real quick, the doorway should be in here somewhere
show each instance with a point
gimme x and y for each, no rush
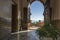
(36, 10)
(14, 18)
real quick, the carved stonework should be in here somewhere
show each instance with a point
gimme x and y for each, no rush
(47, 12)
(31, 1)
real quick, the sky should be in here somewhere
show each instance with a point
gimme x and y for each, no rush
(37, 9)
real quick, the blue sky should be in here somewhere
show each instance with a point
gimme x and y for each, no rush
(37, 10)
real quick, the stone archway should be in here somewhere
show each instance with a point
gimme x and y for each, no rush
(35, 15)
(46, 13)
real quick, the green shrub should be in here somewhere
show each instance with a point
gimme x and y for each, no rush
(47, 30)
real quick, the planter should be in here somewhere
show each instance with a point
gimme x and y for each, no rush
(46, 38)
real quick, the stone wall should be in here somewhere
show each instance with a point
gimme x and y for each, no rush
(5, 13)
(5, 8)
(56, 10)
(56, 13)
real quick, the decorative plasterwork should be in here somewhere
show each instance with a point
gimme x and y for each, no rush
(15, 1)
(43, 1)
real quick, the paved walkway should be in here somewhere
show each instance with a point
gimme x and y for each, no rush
(5, 32)
(23, 35)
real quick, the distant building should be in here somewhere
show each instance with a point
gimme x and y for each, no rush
(39, 24)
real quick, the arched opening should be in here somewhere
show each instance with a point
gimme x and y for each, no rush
(36, 10)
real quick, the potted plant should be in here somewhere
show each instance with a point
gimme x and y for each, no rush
(48, 30)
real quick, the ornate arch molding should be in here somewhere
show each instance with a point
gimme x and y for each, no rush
(42, 1)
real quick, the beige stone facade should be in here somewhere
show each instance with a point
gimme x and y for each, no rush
(56, 13)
